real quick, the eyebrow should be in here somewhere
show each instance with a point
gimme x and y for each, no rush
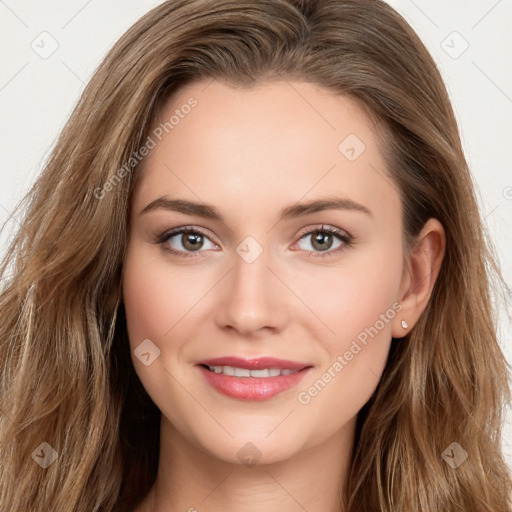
(296, 210)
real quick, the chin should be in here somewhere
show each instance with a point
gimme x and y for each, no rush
(254, 450)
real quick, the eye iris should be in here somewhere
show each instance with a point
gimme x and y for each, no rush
(322, 237)
(194, 239)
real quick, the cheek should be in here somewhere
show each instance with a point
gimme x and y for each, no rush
(155, 297)
(155, 300)
(355, 357)
(143, 301)
(357, 306)
(352, 297)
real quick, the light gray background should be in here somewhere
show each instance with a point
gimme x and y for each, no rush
(38, 92)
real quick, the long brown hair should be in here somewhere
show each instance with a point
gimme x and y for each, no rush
(67, 376)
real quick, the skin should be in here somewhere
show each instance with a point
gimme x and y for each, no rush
(251, 153)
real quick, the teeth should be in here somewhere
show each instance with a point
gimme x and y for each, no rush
(263, 373)
(244, 372)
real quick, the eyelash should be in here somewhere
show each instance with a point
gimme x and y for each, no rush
(344, 236)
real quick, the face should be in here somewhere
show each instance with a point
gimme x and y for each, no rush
(261, 271)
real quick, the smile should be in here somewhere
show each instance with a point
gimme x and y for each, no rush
(245, 372)
(251, 384)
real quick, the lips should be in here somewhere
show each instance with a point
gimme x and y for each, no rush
(252, 388)
(259, 363)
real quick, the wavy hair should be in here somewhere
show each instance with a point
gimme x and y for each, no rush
(66, 373)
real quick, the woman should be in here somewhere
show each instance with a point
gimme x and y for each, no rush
(331, 346)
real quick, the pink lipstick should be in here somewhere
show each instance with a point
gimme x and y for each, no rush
(252, 379)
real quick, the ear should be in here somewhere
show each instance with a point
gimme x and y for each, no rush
(420, 275)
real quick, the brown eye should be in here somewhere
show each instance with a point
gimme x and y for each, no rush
(192, 241)
(325, 241)
(185, 241)
(321, 241)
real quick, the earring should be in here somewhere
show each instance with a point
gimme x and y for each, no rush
(404, 324)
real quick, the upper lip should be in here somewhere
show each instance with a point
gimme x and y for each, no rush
(258, 363)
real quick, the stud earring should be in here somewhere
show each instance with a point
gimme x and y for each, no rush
(404, 324)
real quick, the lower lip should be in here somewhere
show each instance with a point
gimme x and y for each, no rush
(252, 388)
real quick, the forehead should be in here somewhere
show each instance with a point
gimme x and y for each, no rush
(271, 145)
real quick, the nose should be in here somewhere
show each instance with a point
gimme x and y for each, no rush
(252, 298)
